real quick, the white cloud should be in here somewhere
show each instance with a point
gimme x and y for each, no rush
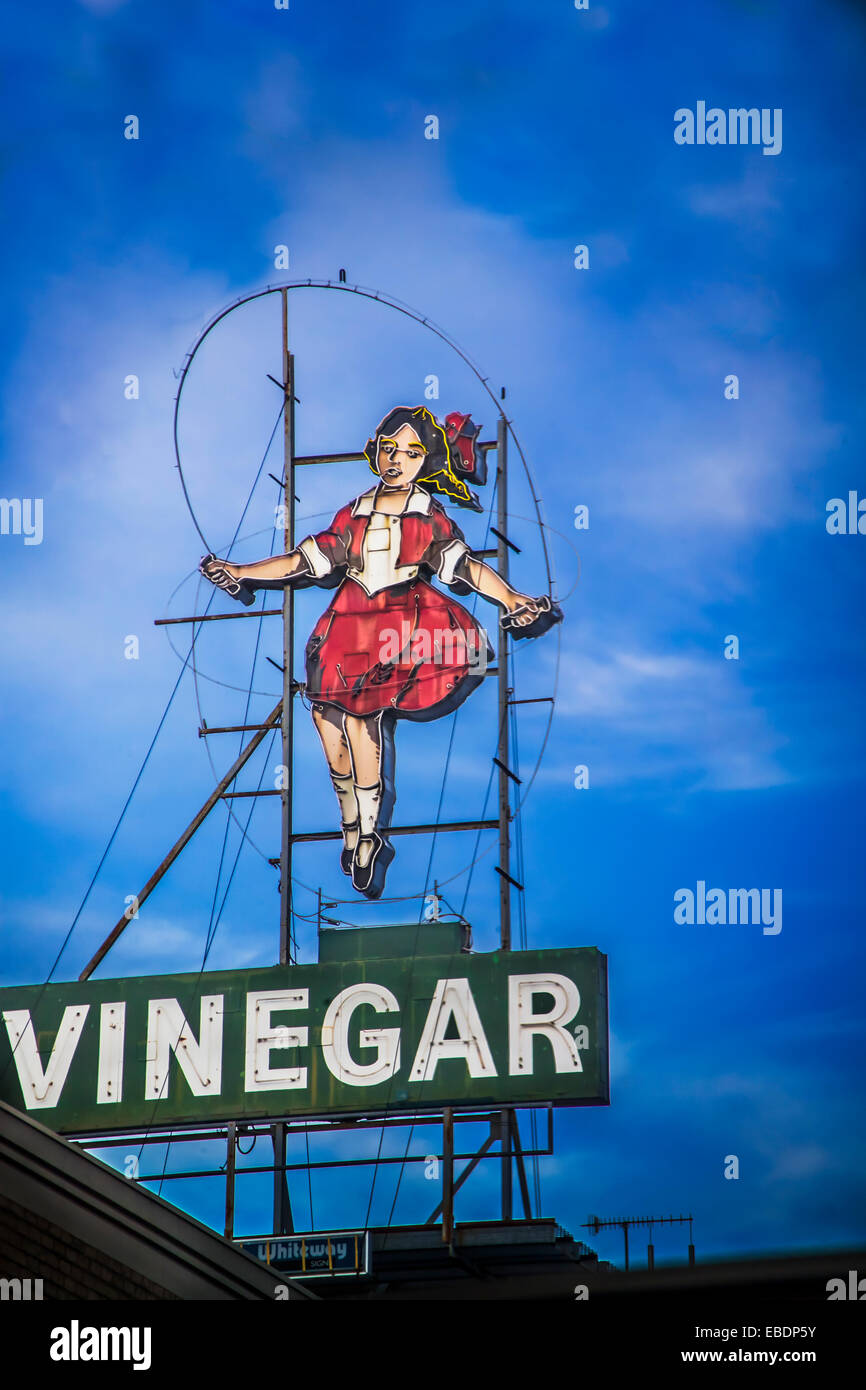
(744, 202)
(655, 715)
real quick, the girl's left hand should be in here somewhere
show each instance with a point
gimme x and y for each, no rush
(528, 607)
(220, 573)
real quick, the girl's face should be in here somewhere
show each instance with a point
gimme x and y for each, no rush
(400, 457)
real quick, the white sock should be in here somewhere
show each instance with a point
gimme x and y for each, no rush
(345, 789)
(369, 800)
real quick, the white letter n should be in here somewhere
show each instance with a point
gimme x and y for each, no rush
(200, 1062)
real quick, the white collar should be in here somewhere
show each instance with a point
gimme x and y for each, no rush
(418, 502)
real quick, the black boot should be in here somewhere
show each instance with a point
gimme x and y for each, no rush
(347, 854)
(369, 878)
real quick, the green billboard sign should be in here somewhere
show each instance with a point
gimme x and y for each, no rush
(341, 1037)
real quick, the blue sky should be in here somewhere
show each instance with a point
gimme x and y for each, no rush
(707, 518)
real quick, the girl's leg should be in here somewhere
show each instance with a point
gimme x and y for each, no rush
(371, 745)
(371, 748)
(329, 722)
(364, 737)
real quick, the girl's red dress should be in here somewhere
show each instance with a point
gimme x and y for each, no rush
(389, 641)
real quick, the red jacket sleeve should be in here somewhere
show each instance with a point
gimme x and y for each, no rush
(327, 550)
(447, 549)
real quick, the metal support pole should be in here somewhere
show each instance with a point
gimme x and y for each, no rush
(625, 1234)
(230, 1179)
(184, 840)
(521, 1167)
(447, 1175)
(507, 1206)
(288, 643)
(283, 1224)
(502, 683)
(502, 760)
(470, 1167)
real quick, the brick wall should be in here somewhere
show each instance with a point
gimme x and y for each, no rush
(32, 1248)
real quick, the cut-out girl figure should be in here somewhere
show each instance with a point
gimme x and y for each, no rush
(389, 646)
